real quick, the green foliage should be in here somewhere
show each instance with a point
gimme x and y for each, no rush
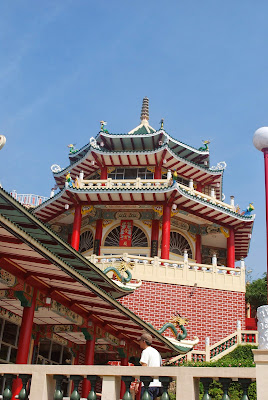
(241, 356)
(256, 292)
(235, 391)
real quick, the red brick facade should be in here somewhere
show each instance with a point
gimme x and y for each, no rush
(211, 312)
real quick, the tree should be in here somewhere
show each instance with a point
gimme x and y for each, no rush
(256, 292)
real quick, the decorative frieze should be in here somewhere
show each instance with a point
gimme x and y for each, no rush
(10, 316)
(7, 278)
(66, 313)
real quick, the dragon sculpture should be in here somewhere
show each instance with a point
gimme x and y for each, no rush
(73, 150)
(103, 123)
(248, 210)
(176, 322)
(120, 270)
(205, 148)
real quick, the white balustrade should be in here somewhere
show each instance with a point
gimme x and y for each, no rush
(181, 271)
(186, 378)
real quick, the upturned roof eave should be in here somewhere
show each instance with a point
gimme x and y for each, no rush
(161, 131)
(37, 245)
(170, 189)
(137, 152)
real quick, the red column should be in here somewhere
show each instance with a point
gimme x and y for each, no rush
(26, 332)
(76, 227)
(265, 153)
(89, 360)
(154, 237)
(104, 173)
(158, 172)
(98, 236)
(166, 231)
(198, 256)
(24, 341)
(124, 363)
(231, 249)
(199, 187)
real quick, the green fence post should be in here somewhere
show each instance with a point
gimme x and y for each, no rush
(206, 382)
(225, 385)
(58, 394)
(245, 384)
(76, 380)
(127, 380)
(7, 395)
(146, 381)
(165, 380)
(93, 380)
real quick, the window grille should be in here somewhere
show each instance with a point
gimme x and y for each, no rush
(86, 241)
(139, 238)
(178, 244)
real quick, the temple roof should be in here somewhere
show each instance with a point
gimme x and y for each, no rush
(95, 157)
(34, 254)
(186, 199)
(141, 138)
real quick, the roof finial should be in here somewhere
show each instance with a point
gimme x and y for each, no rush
(145, 110)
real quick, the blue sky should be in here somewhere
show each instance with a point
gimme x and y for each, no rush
(66, 65)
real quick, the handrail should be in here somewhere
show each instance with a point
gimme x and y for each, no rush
(32, 200)
(204, 196)
(164, 263)
(139, 183)
(44, 377)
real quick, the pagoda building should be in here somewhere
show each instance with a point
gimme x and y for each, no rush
(155, 202)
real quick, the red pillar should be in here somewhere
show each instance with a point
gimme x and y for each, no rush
(24, 341)
(124, 363)
(76, 227)
(265, 153)
(198, 256)
(98, 237)
(89, 360)
(199, 187)
(104, 173)
(166, 231)
(231, 249)
(154, 237)
(158, 172)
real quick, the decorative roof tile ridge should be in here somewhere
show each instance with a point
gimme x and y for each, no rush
(122, 189)
(218, 207)
(115, 135)
(49, 250)
(64, 170)
(163, 146)
(79, 151)
(55, 236)
(156, 150)
(49, 200)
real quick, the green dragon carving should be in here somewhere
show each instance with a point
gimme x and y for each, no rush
(205, 148)
(122, 268)
(176, 322)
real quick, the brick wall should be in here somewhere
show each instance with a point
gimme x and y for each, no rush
(211, 312)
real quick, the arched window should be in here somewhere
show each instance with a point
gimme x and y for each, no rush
(139, 238)
(178, 244)
(86, 241)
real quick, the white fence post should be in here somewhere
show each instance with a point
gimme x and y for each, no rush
(110, 387)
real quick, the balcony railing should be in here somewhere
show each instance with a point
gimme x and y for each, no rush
(183, 272)
(143, 184)
(137, 183)
(31, 200)
(219, 349)
(46, 380)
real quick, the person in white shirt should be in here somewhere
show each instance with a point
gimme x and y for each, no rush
(150, 357)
